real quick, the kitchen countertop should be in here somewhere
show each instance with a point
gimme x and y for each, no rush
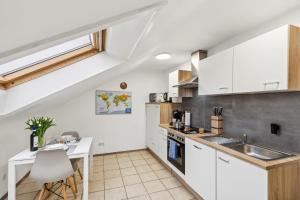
(260, 163)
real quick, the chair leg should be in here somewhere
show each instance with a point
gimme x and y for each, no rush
(64, 192)
(48, 186)
(75, 183)
(79, 172)
(41, 193)
(71, 182)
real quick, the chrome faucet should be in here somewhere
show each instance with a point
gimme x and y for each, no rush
(245, 138)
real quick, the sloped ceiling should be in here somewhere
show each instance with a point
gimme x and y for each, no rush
(138, 30)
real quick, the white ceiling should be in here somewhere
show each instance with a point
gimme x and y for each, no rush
(181, 27)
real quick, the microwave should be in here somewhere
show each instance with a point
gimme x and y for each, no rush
(158, 97)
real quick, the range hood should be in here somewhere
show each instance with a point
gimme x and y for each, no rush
(195, 58)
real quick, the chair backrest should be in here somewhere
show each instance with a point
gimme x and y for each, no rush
(51, 166)
(73, 133)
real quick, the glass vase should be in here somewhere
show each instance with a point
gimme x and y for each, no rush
(42, 141)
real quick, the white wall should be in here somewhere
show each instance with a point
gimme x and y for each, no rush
(289, 18)
(118, 132)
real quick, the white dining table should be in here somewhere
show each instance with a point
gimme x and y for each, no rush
(82, 150)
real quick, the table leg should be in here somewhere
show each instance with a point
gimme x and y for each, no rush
(85, 195)
(11, 180)
(91, 166)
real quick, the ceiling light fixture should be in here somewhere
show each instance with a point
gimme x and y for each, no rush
(163, 56)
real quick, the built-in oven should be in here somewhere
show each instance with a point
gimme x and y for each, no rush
(176, 151)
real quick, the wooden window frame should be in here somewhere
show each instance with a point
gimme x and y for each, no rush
(40, 69)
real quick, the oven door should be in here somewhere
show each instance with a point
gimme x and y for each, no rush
(177, 157)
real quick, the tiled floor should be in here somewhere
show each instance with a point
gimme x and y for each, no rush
(135, 175)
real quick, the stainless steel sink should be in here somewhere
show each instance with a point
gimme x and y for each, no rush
(221, 140)
(259, 152)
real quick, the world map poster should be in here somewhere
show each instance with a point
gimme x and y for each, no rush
(113, 102)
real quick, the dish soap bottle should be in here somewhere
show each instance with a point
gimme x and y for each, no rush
(34, 141)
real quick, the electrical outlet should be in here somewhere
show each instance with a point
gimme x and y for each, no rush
(4, 177)
(101, 144)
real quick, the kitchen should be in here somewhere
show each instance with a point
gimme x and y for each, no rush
(232, 141)
(150, 100)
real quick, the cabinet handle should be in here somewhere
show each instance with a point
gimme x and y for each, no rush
(197, 147)
(271, 82)
(222, 159)
(223, 88)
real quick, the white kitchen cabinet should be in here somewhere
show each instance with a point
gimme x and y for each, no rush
(261, 64)
(152, 126)
(215, 74)
(163, 144)
(173, 80)
(237, 179)
(200, 169)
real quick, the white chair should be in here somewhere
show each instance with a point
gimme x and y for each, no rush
(74, 161)
(53, 167)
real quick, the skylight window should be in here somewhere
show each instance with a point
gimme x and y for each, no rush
(45, 61)
(44, 55)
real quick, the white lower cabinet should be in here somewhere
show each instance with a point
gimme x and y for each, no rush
(152, 126)
(163, 144)
(237, 179)
(201, 169)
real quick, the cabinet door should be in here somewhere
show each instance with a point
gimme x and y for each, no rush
(261, 64)
(201, 169)
(152, 123)
(237, 179)
(173, 80)
(163, 144)
(215, 74)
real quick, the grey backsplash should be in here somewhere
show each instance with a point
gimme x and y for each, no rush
(252, 114)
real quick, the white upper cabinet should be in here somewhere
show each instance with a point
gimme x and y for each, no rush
(215, 74)
(261, 64)
(269, 62)
(173, 80)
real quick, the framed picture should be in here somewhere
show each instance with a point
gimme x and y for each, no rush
(113, 102)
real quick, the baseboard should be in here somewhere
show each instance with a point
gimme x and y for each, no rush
(181, 180)
(103, 154)
(18, 183)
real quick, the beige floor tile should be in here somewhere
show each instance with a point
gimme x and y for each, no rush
(96, 196)
(98, 162)
(109, 156)
(134, 153)
(123, 159)
(171, 182)
(136, 157)
(156, 166)
(154, 186)
(144, 197)
(96, 186)
(98, 176)
(27, 196)
(111, 167)
(180, 193)
(162, 195)
(112, 161)
(147, 156)
(163, 173)
(125, 164)
(122, 155)
(139, 162)
(115, 194)
(131, 180)
(98, 168)
(143, 169)
(28, 187)
(128, 171)
(135, 190)
(113, 183)
(112, 174)
(148, 176)
(152, 161)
